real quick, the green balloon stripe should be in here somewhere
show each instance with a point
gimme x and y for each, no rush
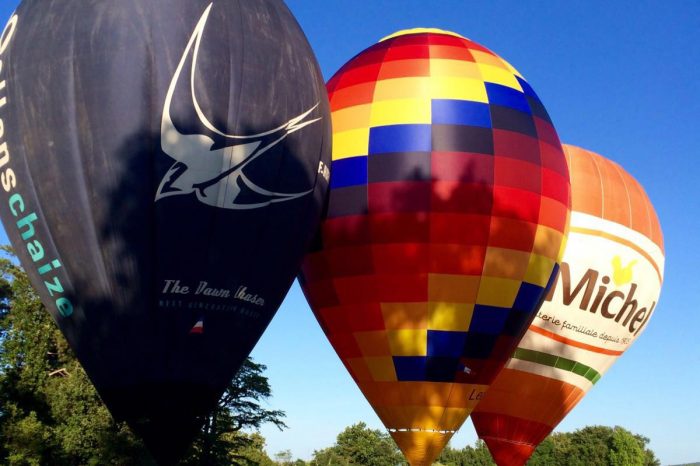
(558, 362)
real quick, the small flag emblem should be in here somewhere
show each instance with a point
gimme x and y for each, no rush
(198, 328)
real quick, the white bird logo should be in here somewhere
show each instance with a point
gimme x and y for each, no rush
(217, 176)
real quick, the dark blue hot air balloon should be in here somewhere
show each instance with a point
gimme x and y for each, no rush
(163, 167)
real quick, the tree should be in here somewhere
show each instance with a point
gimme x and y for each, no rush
(593, 445)
(478, 455)
(599, 445)
(626, 449)
(253, 452)
(239, 408)
(284, 458)
(329, 457)
(359, 445)
(51, 414)
(650, 458)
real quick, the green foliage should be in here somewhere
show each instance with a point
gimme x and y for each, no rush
(478, 455)
(329, 457)
(50, 413)
(284, 458)
(249, 451)
(239, 408)
(627, 449)
(553, 450)
(359, 445)
(590, 446)
(595, 445)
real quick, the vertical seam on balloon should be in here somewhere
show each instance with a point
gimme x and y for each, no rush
(284, 151)
(154, 108)
(551, 403)
(86, 187)
(627, 192)
(493, 201)
(569, 405)
(592, 158)
(651, 221)
(230, 105)
(483, 265)
(649, 218)
(237, 119)
(430, 241)
(369, 216)
(215, 214)
(154, 151)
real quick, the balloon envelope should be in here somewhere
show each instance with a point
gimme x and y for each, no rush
(448, 205)
(606, 292)
(162, 168)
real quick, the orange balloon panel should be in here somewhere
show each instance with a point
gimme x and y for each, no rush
(601, 301)
(448, 206)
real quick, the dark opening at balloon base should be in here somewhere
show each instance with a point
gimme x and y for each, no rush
(168, 440)
(166, 416)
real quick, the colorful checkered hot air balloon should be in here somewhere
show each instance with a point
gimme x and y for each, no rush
(607, 290)
(448, 206)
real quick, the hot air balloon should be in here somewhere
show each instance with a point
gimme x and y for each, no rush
(163, 167)
(606, 292)
(447, 211)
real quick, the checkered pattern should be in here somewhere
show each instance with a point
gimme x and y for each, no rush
(448, 208)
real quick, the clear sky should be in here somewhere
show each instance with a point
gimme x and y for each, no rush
(618, 78)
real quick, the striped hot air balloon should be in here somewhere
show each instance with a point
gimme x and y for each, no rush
(448, 205)
(602, 300)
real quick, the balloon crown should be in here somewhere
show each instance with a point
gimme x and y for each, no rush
(406, 32)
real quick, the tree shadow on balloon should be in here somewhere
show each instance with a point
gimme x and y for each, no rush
(439, 231)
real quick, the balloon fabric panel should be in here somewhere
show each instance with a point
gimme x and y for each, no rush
(448, 206)
(607, 289)
(163, 176)
(611, 193)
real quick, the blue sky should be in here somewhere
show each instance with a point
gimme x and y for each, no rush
(620, 80)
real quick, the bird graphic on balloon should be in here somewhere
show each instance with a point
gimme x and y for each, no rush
(200, 167)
